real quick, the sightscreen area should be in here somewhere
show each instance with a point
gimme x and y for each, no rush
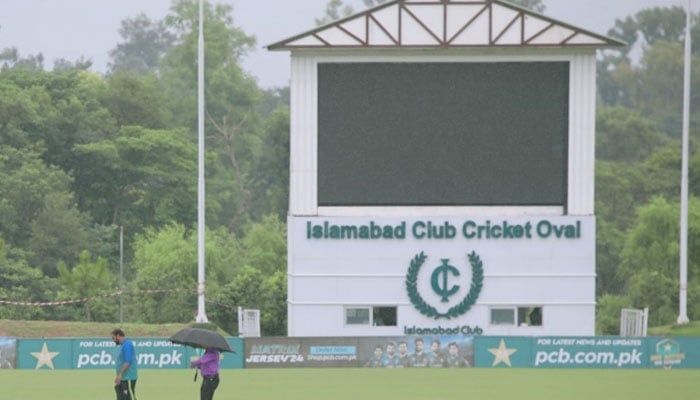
(443, 134)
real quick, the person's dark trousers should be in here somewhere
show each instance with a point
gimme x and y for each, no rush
(209, 385)
(126, 390)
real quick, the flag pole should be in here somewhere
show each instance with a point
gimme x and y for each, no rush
(201, 313)
(683, 293)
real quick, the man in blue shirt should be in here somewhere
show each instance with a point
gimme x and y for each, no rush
(127, 372)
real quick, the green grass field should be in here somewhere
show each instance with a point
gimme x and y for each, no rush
(369, 384)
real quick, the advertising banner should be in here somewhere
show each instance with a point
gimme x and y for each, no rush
(502, 352)
(415, 351)
(101, 353)
(587, 352)
(437, 351)
(676, 352)
(368, 352)
(8, 352)
(281, 352)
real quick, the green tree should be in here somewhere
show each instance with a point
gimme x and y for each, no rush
(66, 111)
(650, 83)
(58, 233)
(649, 26)
(10, 59)
(166, 273)
(273, 99)
(85, 280)
(661, 174)
(25, 183)
(264, 245)
(136, 100)
(142, 178)
(270, 176)
(650, 259)
(18, 114)
(234, 126)
(608, 313)
(609, 243)
(225, 45)
(163, 289)
(252, 289)
(259, 280)
(232, 104)
(145, 42)
(23, 284)
(63, 65)
(660, 90)
(623, 134)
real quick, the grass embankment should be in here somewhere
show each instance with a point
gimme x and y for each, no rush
(69, 329)
(691, 329)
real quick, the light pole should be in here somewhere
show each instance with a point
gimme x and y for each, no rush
(201, 313)
(121, 275)
(683, 279)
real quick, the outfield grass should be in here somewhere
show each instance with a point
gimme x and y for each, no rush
(365, 384)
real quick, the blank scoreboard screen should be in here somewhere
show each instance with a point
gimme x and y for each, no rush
(443, 134)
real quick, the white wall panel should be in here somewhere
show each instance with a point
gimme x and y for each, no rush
(326, 275)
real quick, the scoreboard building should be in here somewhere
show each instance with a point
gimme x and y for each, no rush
(442, 173)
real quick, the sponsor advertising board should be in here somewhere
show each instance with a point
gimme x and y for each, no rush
(100, 353)
(366, 352)
(411, 351)
(587, 352)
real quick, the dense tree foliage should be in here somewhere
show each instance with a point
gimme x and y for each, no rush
(638, 153)
(82, 155)
(86, 280)
(145, 43)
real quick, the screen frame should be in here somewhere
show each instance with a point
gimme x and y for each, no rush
(558, 196)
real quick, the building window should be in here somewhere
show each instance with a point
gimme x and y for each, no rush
(526, 316)
(371, 315)
(502, 316)
(532, 315)
(384, 316)
(357, 316)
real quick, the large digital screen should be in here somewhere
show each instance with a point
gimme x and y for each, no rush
(443, 134)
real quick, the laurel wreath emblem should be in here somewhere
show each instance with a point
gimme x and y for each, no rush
(457, 310)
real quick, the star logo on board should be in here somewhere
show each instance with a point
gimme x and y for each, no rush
(44, 357)
(668, 354)
(502, 354)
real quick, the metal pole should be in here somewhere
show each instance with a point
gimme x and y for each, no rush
(201, 313)
(121, 275)
(240, 321)
(683, 293)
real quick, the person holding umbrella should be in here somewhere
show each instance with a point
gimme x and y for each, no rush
(208, 365)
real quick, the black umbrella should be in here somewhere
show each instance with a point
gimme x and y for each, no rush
(202, 338)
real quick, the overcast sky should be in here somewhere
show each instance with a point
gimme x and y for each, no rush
(71, 29)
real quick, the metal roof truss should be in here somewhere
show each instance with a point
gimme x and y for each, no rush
(445, 23)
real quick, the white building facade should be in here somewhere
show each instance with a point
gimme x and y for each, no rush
(478, 221)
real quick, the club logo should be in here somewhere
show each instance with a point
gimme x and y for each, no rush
(438, 280)
(440, 283)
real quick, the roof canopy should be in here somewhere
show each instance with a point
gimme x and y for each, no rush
(445, 24)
